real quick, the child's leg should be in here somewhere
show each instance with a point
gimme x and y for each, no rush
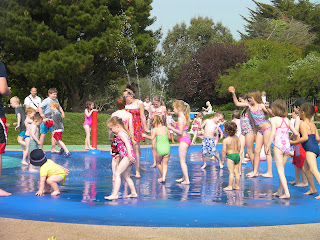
(306, 169)
(42, 137)
(126, 176)
(63, 146)
(165, 162)
(159, 165)
(204, 161)
(53, 144)
(26, 152)
(172, 137)
(297, 175)
(304, 182)
(183, 149)
(4, 193)
(312, 161)
(136, 149)
(154, 153)
(194, 137)
(249, 143)
(23, 147)
(231, 166)
(266, 137)
(256, 161)
(87, 139)
(237, 176)
(280, 161)
(123, 165)
(114, 165)
(53, 182)
(21, 141)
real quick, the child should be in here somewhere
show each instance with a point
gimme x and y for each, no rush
(195, 126)
(57, 127)
(236, 119)
(28, 122)
(44, 109)
(170, 120)
(126, 157)
(51, 174)
(182, 109)
(87, 123)
(160, 133)
(210, 126)
(231, 148)
(309, 140)
(280, 126)
(299, 153)
(258, 112)
(34, 141)
(21, 117)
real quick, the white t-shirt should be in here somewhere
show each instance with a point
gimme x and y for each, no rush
(32, 102)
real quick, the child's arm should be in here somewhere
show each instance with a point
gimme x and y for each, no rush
(41, 187)
(236, 102)
(317, 135)
(32, 133)
(221, 133)
(131, 130)
(304, 134)
(18, 121)
(153, 135)
(267, 110)
(203, 124)
(62, 112)
(181, 124)
(293, 129)
(272, 135)
(224, 151)
(87, 113)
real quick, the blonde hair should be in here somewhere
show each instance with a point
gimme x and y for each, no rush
(157, 120)
(114, 121)
(15, 99)
(279, 108)
(30, 110)
(200, 115)
(54, 104)
(256, 95)
(37, 118)
(183, 107)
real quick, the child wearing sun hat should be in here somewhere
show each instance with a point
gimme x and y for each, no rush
(51, 173)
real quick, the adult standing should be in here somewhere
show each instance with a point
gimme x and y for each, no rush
(136, 108)
(4, 91)
(32, 100)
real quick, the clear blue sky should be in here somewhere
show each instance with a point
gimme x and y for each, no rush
(171, 12)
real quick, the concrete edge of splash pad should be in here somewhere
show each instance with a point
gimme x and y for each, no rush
(158, 212)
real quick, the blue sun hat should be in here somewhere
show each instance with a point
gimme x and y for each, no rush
(37, 157)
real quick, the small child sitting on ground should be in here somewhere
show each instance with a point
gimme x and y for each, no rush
(208, 146)
(231, 148)
(51, 174)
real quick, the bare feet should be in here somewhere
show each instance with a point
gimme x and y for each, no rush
(143, 169)
(153, 165)
(252, 175)
(236, 188)
(132, 195)
(317, 197)
(24, 163)
(276, 194)
(180, 180)
(301, 184)
(228, 188)
(112, 197)
(249, 173)
(203, 166)
(55, 193)
(54, 151)
(294, 182)
(310, 192)
(4, 193)
(136, 176)
(266, 175)
(161, 180)
(221, 165)
(185, 182)
(284, 196)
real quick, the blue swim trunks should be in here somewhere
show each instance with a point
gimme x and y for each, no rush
(44, 129)
(22, 133)
(208, 147)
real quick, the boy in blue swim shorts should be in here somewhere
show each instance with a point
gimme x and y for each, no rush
(230, 149)
(210, 126)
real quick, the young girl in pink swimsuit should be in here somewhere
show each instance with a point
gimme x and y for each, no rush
(182, 109)
(280, 126)
(126, 157)
(87, 123)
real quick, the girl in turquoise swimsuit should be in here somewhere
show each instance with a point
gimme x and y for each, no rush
(160, 134)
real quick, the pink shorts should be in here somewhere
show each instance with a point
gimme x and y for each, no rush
(185, 139)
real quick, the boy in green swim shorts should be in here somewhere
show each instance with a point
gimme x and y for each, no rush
(231, 148)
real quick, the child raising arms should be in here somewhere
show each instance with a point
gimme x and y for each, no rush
(309, 140)
(280, 126)
(160, 133)
(126, 157)
(231, 148)
(182, 109)
(88, 123)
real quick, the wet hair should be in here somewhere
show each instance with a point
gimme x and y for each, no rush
(235, 114)
(52, 90)
(118, 121)
(15, 99)
(37, 118)
(308, 110)
(279, 108)
(256, 95)
(157, 120)
(184, 107)
(30, 110)
(88, 104)
(120, 102)
(230, 128)
(54, 104)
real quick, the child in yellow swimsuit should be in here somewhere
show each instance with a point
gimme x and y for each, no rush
(231, 148)
(161, 134)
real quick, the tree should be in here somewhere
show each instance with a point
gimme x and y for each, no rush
(198, 78)
(74, 45)
(182, 41)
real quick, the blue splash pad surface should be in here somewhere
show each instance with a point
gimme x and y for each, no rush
(202, 204)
